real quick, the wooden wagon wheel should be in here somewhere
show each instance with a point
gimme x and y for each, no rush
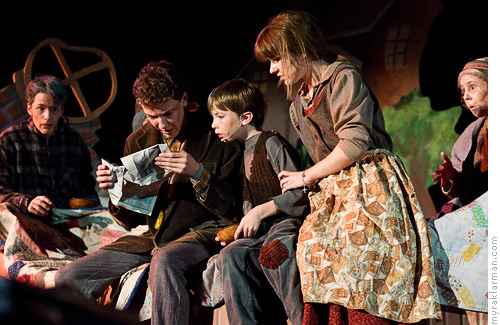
(72, 77)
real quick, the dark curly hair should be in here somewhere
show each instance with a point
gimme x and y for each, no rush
(158, 82)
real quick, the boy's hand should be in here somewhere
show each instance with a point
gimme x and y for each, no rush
(179, 162)
(105, 177)
(251, 221)
(248, 225)
(222, 243)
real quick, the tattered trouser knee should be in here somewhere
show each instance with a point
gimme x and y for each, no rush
(259, 272)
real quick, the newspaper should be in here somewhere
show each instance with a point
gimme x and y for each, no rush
(137, 182)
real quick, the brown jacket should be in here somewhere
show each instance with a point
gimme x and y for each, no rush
(187, 217)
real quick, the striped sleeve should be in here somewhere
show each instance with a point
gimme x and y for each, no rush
(352, 112)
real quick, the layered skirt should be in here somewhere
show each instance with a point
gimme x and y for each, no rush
(366, 244)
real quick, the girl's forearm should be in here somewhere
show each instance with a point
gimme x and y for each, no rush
(334, 162)
(267, 209)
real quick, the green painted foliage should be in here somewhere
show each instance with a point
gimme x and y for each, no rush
(420, 133)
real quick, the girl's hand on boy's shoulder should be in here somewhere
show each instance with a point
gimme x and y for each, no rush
(290, 180)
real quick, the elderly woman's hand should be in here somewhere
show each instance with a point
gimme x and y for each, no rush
(445, 174)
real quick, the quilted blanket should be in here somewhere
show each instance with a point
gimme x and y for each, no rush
(460, 247)
(33, 250)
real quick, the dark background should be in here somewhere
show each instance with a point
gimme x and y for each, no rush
(211, 41)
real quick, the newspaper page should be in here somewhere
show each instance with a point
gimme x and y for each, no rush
(138, 181)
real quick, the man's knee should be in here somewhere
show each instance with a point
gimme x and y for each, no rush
(163, 263)
(64, 275)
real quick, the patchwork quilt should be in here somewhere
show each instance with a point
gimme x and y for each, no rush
(460, 247)
(33, 252)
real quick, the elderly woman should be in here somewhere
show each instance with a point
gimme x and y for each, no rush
(464, 177)
(460, 230)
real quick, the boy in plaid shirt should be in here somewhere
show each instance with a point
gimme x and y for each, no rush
(43, 161)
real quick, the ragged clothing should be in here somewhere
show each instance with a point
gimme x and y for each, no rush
(259, 274)
(365, 244)
(31, 165)
(188, 215)
(469, 157)
(342, 113)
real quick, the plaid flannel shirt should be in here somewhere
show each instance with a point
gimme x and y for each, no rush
(31, 165)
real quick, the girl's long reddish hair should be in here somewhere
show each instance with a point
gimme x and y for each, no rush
(290, 36)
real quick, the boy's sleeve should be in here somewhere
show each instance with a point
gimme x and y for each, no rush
(200, 182)
(284, 157)
(218, 189)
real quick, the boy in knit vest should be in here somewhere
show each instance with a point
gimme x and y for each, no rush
(260, 277)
